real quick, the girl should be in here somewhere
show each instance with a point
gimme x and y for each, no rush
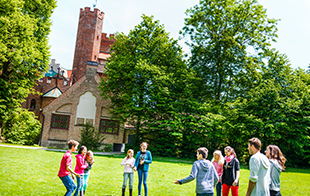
(277, 161)
(89, 159)
(218, 162)
(129, 163)
(143, 159)
(231, 172)
(79, 169)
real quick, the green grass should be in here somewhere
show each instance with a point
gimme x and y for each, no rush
(34, 172)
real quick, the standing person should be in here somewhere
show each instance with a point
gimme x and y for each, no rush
(277, 161)
(231, 172)
(129, 163)
(143, 160)
(259, 170)
(89, 159)
(204, 172)
(79, 169)
(65, 169)
(218, 162)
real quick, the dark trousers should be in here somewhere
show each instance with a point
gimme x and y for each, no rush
(275, 193)
(219, 189)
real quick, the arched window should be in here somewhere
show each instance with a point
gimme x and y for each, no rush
(33, 104)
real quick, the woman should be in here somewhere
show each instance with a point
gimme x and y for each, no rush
(218, 162)
(277, 161)
(143, 159)
(231, 172)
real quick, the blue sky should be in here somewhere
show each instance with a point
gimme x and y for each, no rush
(123, 15)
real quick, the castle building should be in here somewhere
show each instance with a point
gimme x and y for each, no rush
(65, 106)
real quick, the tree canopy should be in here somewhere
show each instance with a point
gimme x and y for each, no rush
(233, 86)
(24, 49)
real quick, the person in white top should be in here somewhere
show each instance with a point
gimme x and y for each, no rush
(259, 170)
(129, 163)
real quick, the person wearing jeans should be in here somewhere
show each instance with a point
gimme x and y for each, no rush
(143, 159)
(128, 163)
(204, 172)
(66, 174)
(69, 184)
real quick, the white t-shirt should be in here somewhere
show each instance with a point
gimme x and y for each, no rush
(260, 173)
(128, 168)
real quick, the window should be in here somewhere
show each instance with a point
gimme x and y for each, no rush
(109, 126)
(60, 121)
(49, 80)
(41, 80)
(65, 82)
(33, 104)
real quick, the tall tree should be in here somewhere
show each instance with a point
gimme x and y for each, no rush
(144, 67)
(227, 40)
(24, 50)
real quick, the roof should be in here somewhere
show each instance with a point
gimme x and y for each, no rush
(69, 73)
(50, 73)
(54, 92)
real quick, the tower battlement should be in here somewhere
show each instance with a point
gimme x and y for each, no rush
(87, 11)
(105, 37)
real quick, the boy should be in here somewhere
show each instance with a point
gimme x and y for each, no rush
(259, 170)
(65, 168)
(205, 173)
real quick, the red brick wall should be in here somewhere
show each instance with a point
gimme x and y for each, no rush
(87, 40)
(106, 42)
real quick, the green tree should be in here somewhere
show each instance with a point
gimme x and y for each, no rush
(144, 68)
(227, 40)
(90, 137)
(276, 111)
(24, 50)
(22, 128)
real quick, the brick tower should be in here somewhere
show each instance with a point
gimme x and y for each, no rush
(88, 40)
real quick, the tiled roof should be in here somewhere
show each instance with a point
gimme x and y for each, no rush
(54, 92)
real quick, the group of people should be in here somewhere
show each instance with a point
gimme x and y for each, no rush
(221, 173)
(224, 172)
(84, 163)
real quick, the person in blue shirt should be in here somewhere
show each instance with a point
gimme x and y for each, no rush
(205, 174)
(142, 162)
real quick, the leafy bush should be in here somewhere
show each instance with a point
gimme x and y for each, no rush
(90, 137)
(108, 148)
(22, 128)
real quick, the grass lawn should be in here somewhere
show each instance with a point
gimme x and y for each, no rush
(34, 172)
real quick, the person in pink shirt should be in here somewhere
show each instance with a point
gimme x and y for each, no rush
(218, 162)
(65, 169)
(79, 169)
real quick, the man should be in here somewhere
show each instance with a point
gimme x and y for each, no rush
(259, 170)
(205, 173)
(66, 168)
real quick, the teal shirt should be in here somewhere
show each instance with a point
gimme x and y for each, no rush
(275, 172)
(147, 160)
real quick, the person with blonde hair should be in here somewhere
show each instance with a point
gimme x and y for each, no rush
(277, 161)
(89, 159)
(128, 163)
(218, 162)
(231, 172)
(142, 163)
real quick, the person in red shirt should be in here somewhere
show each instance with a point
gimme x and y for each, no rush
(66, 174)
